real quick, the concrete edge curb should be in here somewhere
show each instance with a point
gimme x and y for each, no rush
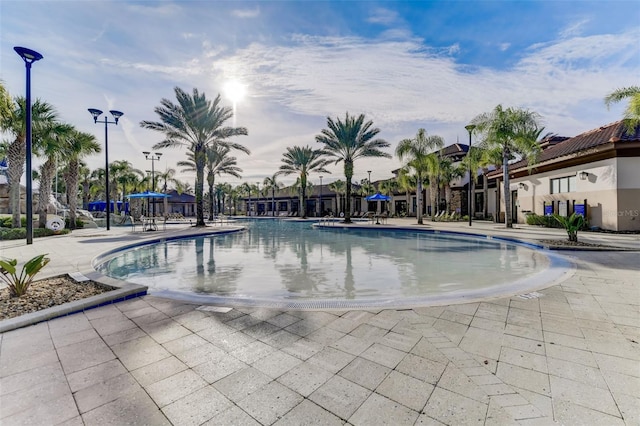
(122, 291)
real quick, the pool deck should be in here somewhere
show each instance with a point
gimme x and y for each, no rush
(568, 354)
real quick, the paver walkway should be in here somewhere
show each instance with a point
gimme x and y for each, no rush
(568, 356)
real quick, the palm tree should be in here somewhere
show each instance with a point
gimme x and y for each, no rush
(632, 112)
(514, 132)
(340, 188)
(349, 140)
(78, 145)
(303, 161)
(197, 123)
(245, 191)
(52, 140)
(218, 162)
(43, 115)
(447, 173)
(388, 187)
(272, 184)
(407, 183)
(419, 156)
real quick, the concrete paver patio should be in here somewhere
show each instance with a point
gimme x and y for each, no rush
(569, 356)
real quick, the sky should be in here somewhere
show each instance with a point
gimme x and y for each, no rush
(405, 65)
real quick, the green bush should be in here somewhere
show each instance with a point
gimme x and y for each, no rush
(20, 233)
(79, 223)
(547, 221)
(5, 222)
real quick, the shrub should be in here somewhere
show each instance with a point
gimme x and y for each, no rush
(20, 233)
(571, 224)
(19, 284)
(79, 223)
(5, 222)
(548, 221)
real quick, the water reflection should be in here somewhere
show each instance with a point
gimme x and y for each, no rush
(287, 259)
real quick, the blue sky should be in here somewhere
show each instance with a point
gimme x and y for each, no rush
(405, 65)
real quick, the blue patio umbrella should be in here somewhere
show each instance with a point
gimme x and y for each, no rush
(148, 194)
(378, 197)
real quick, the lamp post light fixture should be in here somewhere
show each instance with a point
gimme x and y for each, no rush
(153, 157)
(29, 57)
(470, 128)
(116, 115)
(320, 202)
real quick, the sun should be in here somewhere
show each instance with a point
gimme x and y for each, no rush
(235, 91)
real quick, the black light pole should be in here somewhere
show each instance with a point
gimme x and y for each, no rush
(153, 157)
(470, 128)
(116, 115)
(28, 56)
(369, 182)
(320, 196)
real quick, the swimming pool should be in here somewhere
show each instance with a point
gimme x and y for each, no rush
(290, 263)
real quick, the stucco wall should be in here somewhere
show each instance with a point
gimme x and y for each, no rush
(611, 190)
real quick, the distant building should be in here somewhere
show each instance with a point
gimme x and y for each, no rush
(597, 172)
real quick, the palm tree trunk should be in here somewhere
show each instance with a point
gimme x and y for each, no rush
(419, 201)
(200, 163)
(211, 185)
(46, 177)
(433, 195)
(16, 155)
(507, 193)
(348, 174)
(72, 185)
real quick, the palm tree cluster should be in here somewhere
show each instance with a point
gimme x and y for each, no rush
(198, 124)
(58, 144)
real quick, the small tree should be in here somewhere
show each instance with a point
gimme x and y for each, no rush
(571, 224)
(19, 284)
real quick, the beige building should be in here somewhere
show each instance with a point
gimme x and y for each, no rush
(598, 169)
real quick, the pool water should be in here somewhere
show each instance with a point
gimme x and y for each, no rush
(283, 260)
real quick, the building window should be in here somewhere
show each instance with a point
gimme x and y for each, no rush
(563, 184)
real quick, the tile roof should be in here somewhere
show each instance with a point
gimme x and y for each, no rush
(607, 134)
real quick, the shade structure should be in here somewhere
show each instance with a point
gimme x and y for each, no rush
(378, 197)
(148, 194)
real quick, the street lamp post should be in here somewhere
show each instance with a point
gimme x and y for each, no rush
(470, 128)
(368, 187)
(29, 57)
(153, 157)
(116, 115)
(320, 202)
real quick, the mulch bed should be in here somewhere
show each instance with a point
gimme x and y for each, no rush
(47, 293)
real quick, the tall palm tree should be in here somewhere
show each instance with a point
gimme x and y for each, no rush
(388, 187)
(407, 183)
(419, 155)
(43, 115)
(340, 188)
(349, 140)
(78, 145)
(245, 191)
(218, 162)
(197, 123)
(51, 142)
(632, 112)
(272, 184)
(303, 161)
(515, 132)
(447, 173)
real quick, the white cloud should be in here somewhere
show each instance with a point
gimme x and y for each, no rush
(246, 13)
(504, 47)
(574, 29)
(383, 16)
